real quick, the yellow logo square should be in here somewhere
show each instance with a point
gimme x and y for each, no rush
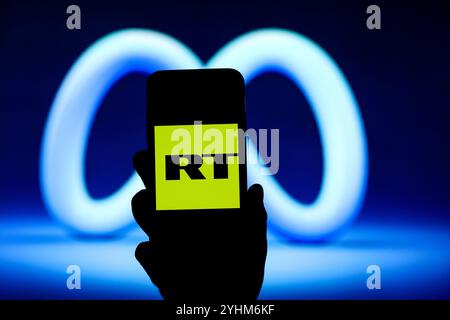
(197, 166)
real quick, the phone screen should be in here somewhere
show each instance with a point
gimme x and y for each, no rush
(198, 152)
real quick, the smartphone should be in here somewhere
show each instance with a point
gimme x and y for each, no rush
(196, 124)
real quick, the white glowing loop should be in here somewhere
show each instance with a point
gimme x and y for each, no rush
(71, 116)
(293, 55)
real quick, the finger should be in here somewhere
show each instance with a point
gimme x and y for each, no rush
(256, 194)
(142, 207)
(145, 254)
(255, 215)
(141, 165)
(254, 203)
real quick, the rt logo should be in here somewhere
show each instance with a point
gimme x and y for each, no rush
(174, 164)
(197, 166)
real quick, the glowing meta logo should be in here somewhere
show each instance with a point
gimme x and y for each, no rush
(192, 172)
(298, 58)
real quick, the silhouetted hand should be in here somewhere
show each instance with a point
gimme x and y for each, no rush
(214, 257)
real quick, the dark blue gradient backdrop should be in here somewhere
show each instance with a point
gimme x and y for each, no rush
(400, 76)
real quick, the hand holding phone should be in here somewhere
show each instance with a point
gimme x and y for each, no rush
(207, 232)
(202, 258)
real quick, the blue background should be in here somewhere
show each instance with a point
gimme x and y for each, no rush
(400, 77)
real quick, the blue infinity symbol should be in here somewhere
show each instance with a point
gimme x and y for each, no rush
(298, 58)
